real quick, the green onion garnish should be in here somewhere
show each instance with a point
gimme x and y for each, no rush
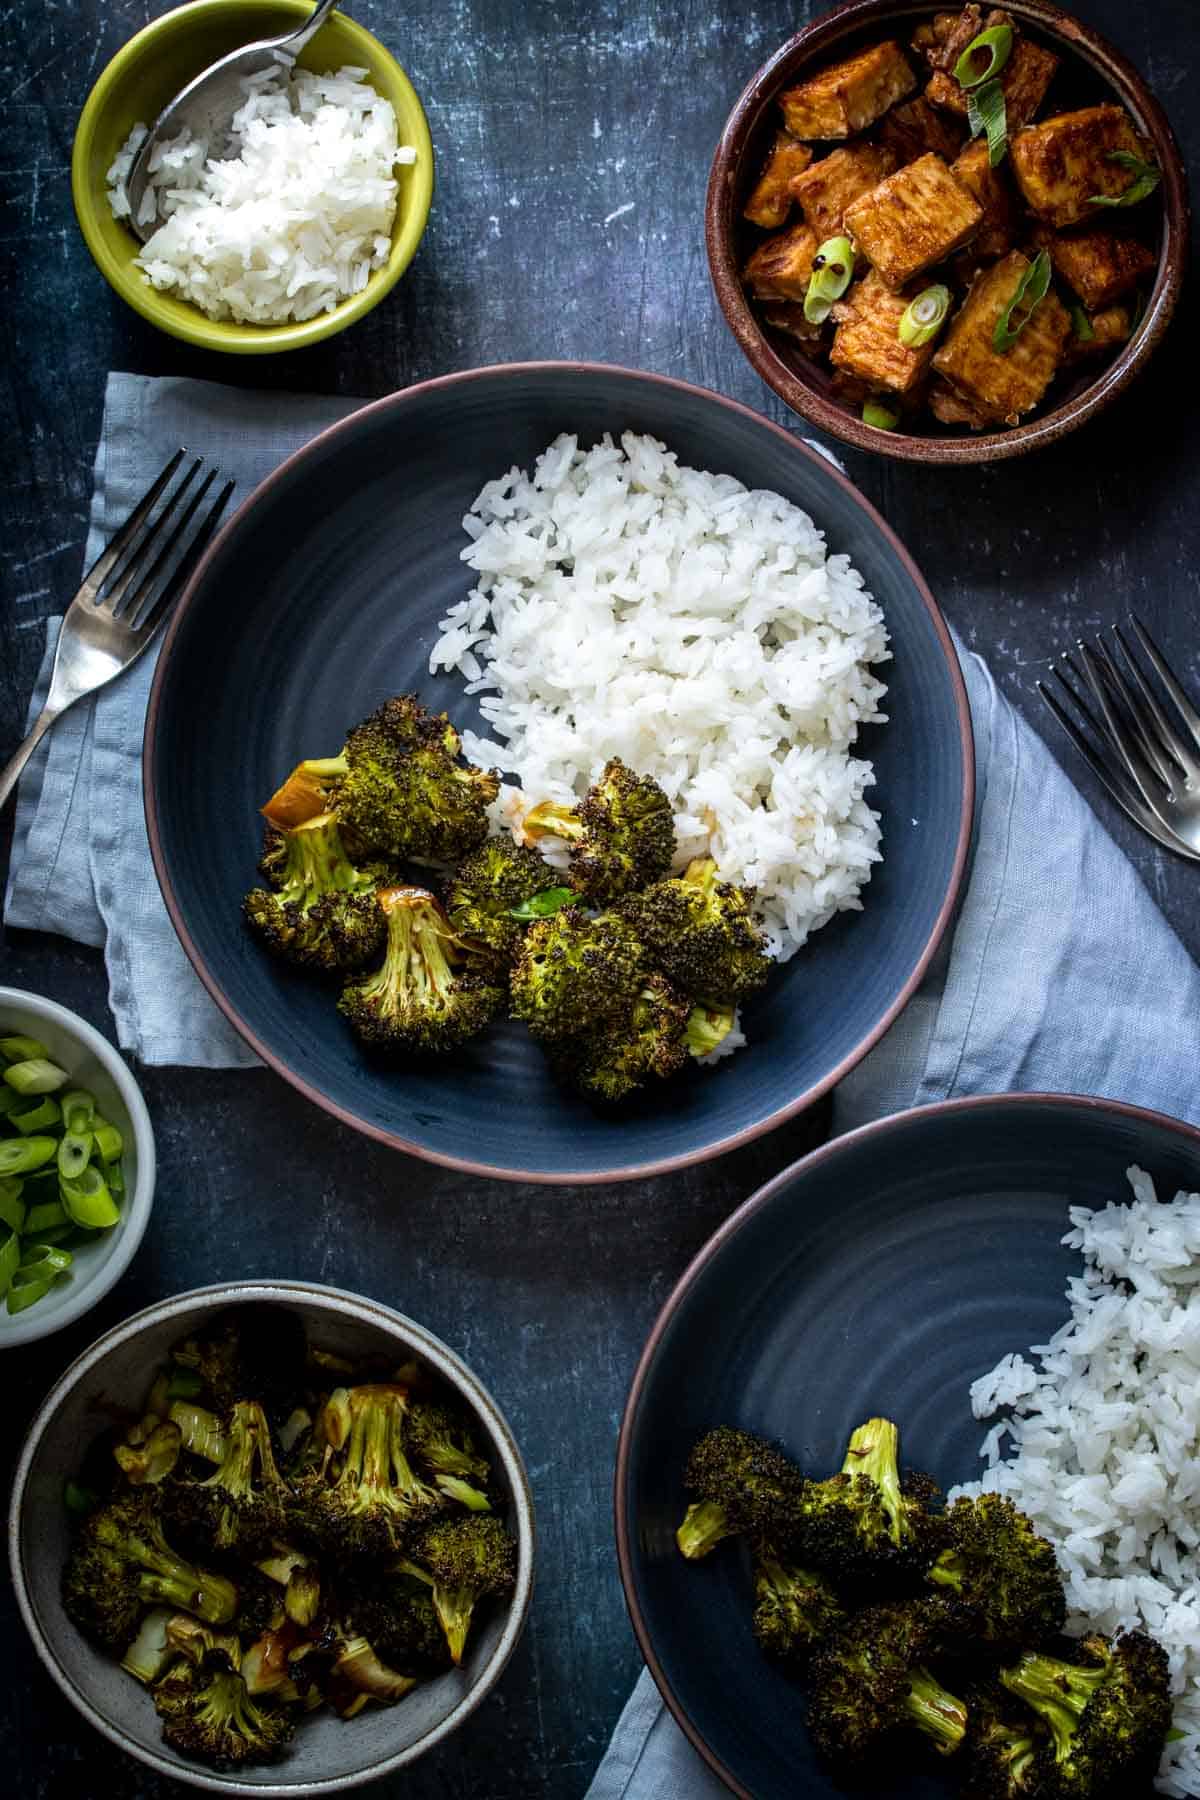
(924, 317)
(10, 1259)
(78, 1109)
(550, 900)
(1028, 294)
(1081, 324)
(183, 1384)
(47, 1215)
(37, 1118)
(36, 1276)
(880, 416)
(109, 1142)
(22, 1049)
(986, 112)
(833, 266)
(74, 1155)
(997, 42)
(78, 1499)
(19, 1155)
(36, 1075)
(1145, 179)
(88, 1200)
(12, 1207)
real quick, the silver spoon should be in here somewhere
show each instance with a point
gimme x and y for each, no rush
(207, 104)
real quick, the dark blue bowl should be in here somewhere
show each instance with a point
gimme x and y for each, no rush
(879, 1276)
(321, 598)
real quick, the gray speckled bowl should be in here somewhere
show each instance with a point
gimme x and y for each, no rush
(328, 1754)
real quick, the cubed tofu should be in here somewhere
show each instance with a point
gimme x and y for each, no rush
(787, 316)
(1023, 81)
(850, 96)
(917, 217)
(836, 182)
(991, 190)
(916, 128)
(1002, 385)
(942, 39)
(867, 341)
(1100, 265)
(1109, 330)
(781, 267)
(770, 203)
(950, 408)
(1062, 162)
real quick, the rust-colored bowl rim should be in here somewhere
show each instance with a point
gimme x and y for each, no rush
(877, 1130)
(468, 1165)
(721, 214)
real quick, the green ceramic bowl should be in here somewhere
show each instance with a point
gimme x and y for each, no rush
(149, 71)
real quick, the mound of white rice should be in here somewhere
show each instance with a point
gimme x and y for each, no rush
(630, 607)
(288, 217)
(1107, 1436)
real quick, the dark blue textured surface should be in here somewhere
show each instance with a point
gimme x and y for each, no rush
(324, 598)
(882, 1275)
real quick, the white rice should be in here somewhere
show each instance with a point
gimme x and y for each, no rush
(630, 607)
(1107, 1439)
(288, 217)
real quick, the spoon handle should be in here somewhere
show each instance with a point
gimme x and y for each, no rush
(298, 39)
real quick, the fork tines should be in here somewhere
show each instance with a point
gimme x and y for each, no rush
(150, 558)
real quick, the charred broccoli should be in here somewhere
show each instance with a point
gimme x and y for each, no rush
(741, 1483)
(208, 1714)
(243, 1503)
(252, 1353)
(1001, 1759)
(443, 1447)
(320, 910)
(871, 1681)
(576, 975)
(121, 1562)
(406, 790)
(702, 932)
(865, 1520)
(465, 1561)
(795, 1610)
(397, 1616)
(649, 1043)
(622, 833)
(1003, 1572)
(366, 1499)
(495, 879)
(1108, 1714)
(424, 998)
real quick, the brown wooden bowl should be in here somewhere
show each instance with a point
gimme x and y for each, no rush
(1089, 63)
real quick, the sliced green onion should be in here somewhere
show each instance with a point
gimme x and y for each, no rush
(88, 1200)
(74, 1155)
(37, 1118)
(22, 1049)
(1081, 324)
(36, 1276)
(832, 269)
(550, 900)
(78, 1499)
(1028, 295)
(997, 43)
(987, 114)
(881, 417)
(48, 1215)
(113, 1176)
(183, 1384)
(78, 1109)
(37, 1075)
(924, 317)
(10, 1260)
(1146, 178)
(8, 1099)
(12, 1207)
(109, 1142)
(61, 1234)
(19, 1155)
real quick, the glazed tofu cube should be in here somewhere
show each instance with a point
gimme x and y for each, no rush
(1023, 80)
(1062, 162)
(770, 203)
(1109, 330)
(916, 128)
(1100, 265)
(780, 268)
(950, 408)
(917, 217)
(867, 341)
(850, 96)
(836, 182)
(1003, 385)
(990, 189)
(942, 39)
(787, 316)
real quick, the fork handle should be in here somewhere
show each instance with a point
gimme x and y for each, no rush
(10, 774)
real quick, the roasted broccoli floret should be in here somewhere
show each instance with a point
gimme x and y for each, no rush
(367, 1498)
(741, 1483)
(865, 1520)
(622, 833)
(701, 931)
(649, 1043)
(871, 1680)
(406, 790)
(243, 1503)
(1003, 1572)
(795, 1610)
(319, 911)
(396, 1614)
(1108, 1714)
(465, 1560)
(495, 879)
(443, 1447)
(425, 998)
(121, 1562)
(250, 1353)
(208, 1714)
(576, 975)
(1000, 1757)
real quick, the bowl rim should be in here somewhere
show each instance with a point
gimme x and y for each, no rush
(340, 1301)
(232, 336)
(28, 1327)
(876, 1131)
(518, 372)
(809, 44)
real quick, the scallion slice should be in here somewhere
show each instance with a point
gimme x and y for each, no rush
(1028, 295)
(74, 1154)
(924, 317)
(10, 1260)
(832, 269)
(1081, 324)
(987, 114)
(12, 1207)
(881, 417)
(541, 906)
(78, 1109)
(37, 1118)
(47, 1215)
(996, 43)
(19, 1155)
(1146, 178)
(36, 1075)
(88, 1200)
(109, 1142)
(36, 1276)
(22, 1049)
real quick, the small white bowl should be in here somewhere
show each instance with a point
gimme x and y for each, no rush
(92, 1063)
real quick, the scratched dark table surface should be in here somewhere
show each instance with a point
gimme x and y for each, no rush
(573, 142)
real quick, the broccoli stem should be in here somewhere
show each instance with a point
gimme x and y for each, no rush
(947, 1570)
(550, 819)
(1058, 1691)
(210, 1597)
(873, 1450)
(935, 1712)
(704, 1525)
(454, 1607)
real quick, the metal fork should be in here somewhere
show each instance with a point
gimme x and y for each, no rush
(126, 595)
(1143, 745)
